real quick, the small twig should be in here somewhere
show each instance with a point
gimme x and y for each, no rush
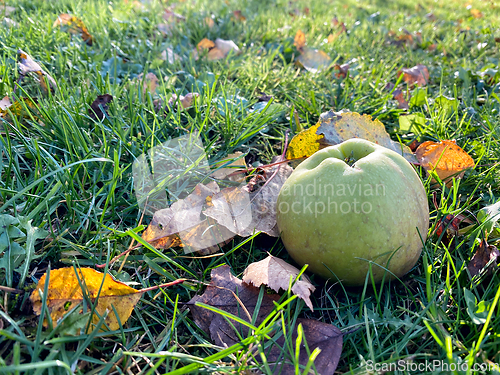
(11, 290)
(167, 285)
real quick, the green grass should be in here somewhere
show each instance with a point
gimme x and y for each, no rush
(72, 176)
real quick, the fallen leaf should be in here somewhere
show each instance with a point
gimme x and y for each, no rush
(277, 274)
(419, 75)
(399, 96)
(228, 170)
(17, 108)
(300, 40)
(171, 19)
(27, 65)
(216, 50)
(238, 16)
(446, 158)
(247, 210)
(183, 224)
(149, 83)
(312, 60)
(339, 127)
(489, 216)
(209, 22)
(170, 56)
(484, 254)
(5, 103)
(101, 101)
(230, 294)
(74, 25)
(6, 10)
(476, 13)
(450, 225)
(65, 292)
(305, 143)
(343, 69)
(184, 101)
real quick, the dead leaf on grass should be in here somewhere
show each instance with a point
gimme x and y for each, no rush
(217, 50)
(446, 158)
(65, 292)
(419, 74)
(277, 274)
(102, 101)
(230, 294)
(73, 25)
(149, 83)
(399, 96)
(476, 13)
(312, 60)
(171, 20)
(28, 65)
(238, 16)
(5, 103)
(184, 101)
(484, 254)
(343, 70)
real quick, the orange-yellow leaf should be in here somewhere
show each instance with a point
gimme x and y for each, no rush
(205, 44)
(476, 13)
(65, 292)
(300, 40)
(304, 144)
(74, 25)
(446, 158)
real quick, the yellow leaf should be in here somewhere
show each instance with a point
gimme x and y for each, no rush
(74, 26)
(446, 158)
(304, 144)
(65, 292)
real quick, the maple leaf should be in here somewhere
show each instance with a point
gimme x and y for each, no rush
(233, 296)
(277, 274)
(445, 158)
(99, 107)
(65, 292)
(74, 25)
(28, 65)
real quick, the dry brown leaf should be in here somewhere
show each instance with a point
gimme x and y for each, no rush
(149, 83)
(65, 292)
(184, 101)
(476, 13)
(216, 50)
(399, 96)
(183, 224)
(446, 158)
(238, 16)
(277, 274)
(230, 294)
(74, 25)
(419, 75)
(300, 40)
(343, 69)
(247, 210)
(27, 65)
(484, 254)
(209, 22)
(101, 101)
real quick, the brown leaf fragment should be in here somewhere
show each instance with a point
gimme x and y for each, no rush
(230, 294)
(149, 83)
(419, 74)
(277, 274)
(446, 158)
(484, 254)
(343, 69)
(74, 25)
(184, 101)
(5, 103)
(300, 40)
(238, 16)
(101, 101)
(27, 65)
(399, 96)
(476, 13)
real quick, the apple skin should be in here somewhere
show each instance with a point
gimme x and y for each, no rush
(387, 219)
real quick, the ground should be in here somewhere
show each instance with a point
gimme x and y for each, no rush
(70, 172)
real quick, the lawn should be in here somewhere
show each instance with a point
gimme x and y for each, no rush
(66, 174)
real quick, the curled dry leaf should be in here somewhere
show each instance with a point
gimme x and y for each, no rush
(231, 295)
(27, 65)
(99, 107)
(484, 254)
(446, 158)
(247, 210)
(74, 25)
(419, 75)
(65, 293)
(399, 96)
(277, 274)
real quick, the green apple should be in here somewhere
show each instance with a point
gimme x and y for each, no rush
(353, 207)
